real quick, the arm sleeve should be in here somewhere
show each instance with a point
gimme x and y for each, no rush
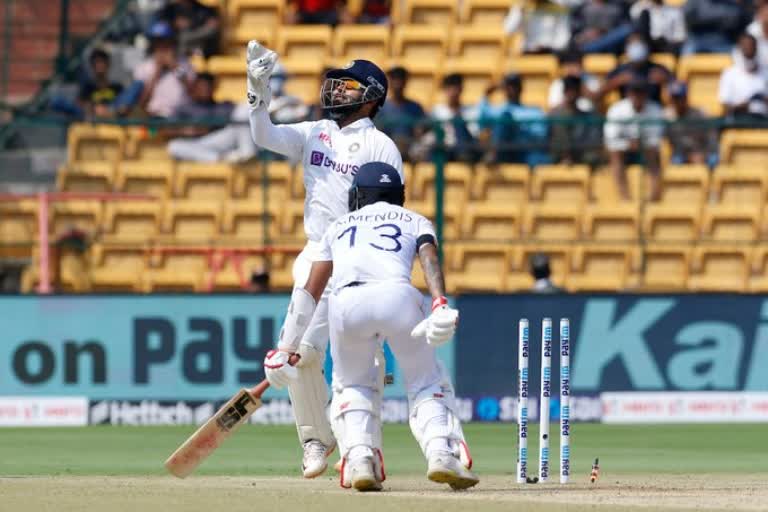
(325, 253)
(286, 139)
(388, 153)
(424, 227)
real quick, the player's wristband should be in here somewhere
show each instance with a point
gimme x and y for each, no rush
(439, 301)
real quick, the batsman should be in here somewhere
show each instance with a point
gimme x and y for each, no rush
(331, 152)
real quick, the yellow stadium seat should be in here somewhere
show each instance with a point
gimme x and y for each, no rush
(665, 267)
(118, 267)
(203, 181)
(477, 77)
(668, 60)
(369, 42)
(423, 80)
(420, 43)
(559, 262)
(306, 76)
(304, 43)
(177, 270)
(537, 72)
(88, 178)
(440, 13)
(552, 222)
(253, 19)
(600, 268)
(478, 43)
(758, 278)
(492, 222)
(131, 221)
(743, 148)
(671, 223)
(191, 221)
(18, 222)
(145, 177)
(731, 223)
(478, 267)
(250, 182)
(702, 72)
(229, 77)
(558, 184)
(504, 183)
(93, 152)
(456, 175)
(517, 274)
(604, 189)
(82, 215)
(141, 144)
(745, 186)
(451, 216)
(599, 64)
(281, 267)
(484, 13)
(612, 222)
(297, 183)
(248, 222)
(720, 268)
(228, 279)
(685, 184)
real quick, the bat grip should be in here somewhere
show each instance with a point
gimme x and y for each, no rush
(262, 386)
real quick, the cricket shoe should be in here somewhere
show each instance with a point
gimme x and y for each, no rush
(361, 474)
(315, 458)
(444, 468)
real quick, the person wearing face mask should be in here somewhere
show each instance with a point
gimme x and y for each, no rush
(637, 66)
(743, 86)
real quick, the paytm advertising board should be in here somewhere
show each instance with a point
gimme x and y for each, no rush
(185, 347)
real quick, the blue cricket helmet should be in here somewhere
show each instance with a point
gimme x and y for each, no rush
(373, 82)
(376, 181)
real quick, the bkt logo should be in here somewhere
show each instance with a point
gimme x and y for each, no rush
(319, 159)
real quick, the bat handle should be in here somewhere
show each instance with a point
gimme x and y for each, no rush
(262, 386)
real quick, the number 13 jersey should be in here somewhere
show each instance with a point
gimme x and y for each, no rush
(373, 244)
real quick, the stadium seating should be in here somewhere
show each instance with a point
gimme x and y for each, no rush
(599, 268)
(665, 267)
(492, 222)
(478, 267)
(744, 148)
(731, 223)
(203, 181)
(559, 261)
(702, 72)
(611, 223)
(253, 19)
(758, 278)
(560, 184)
(248, 222)
(671, 223)
(439, 13)
(145, 177)
(304, 43)
(503, 184)
(552, 222)
(537, 72)
(130, 222)
(369, 42)
(685, 184)
(118, 267)
(18, 222)
(743, 186)
(478, 44)
(718, 267)
(190, 221)
(484, 13)
(81, 215)
(457, 177)
(182, 270)
(230, 77)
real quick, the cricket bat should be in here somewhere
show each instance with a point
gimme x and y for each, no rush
(227, 420)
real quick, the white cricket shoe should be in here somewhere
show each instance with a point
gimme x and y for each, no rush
(362, 475)
(315, 460)
(444, 468)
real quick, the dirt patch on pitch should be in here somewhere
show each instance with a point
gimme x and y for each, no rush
(495, 493)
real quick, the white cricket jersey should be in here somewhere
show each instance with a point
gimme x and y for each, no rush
(373, 244)
(330, 156)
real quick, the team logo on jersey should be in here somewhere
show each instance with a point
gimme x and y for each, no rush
(385, 179)
(326, 139)
(316, 158)
(354, 147)
(319, 159)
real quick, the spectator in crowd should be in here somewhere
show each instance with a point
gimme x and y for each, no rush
(759, 30)
(457, 122)
(202, 110)
(98, 94)
(234, 143)
(259, 281)
(575, 132)
(375, 12)
(664, 25)
(638, 66)
(713, 26)
(317, 12)
(742, 90)
(544, 25)
(692, 141)
(161, 80)
(400, 118)
(198, 26)
(600, 26)
(571, 65)
(518, 133)
(540, 271)
(633, 133)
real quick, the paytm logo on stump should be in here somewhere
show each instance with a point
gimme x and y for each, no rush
(319, 159)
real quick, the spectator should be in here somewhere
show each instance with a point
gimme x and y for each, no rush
(713, 26)
(600, 26)
(742, 87)
(633, 132)
(233, 143)
(400, 118)
(638, 66)
(375, 11)
(317, 12)
(201, 107)
(259, 281)
(539, 266)
(664, 25)
(692, 141)
(518, 132)
(198, 26)
(759, 29)
(571, 65)
(97, 94)
(575, 137)
(543, 24)
(458, 123)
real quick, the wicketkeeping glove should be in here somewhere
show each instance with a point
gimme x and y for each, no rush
(260, 62)
(440, 326)
(278, 371)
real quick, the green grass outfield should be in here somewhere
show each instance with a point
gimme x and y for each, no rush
(274, 450)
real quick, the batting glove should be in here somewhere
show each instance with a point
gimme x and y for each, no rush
(277, 369)
(260, 62)
(440, 326)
